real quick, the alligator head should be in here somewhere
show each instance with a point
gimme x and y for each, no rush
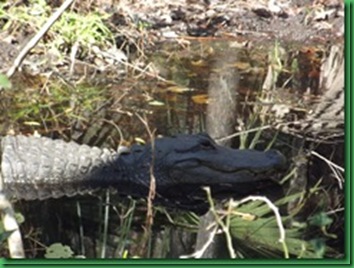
(184, 164)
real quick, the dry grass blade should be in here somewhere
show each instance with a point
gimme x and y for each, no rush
(199, 253)
(105, 227)
(333, 167)
(152, 187)
(38, 37)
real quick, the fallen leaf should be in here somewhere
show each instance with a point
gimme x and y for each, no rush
(241, 65)
(199, 63)
(200, 99)
(179, 89)
(156, 103)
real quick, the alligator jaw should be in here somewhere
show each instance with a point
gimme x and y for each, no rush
(218, 165)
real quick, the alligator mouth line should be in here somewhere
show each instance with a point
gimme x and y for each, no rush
(230, 170)
(252, 171)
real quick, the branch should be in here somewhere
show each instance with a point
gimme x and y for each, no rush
(33, 42)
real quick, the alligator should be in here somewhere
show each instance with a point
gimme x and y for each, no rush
(40, 168)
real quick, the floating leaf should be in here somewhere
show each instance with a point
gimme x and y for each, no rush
(31, 123)
(4, 82)
(199, 63)
(139, 140)
(179, 89)
(156, 103)
(242, 65)
(200, 99)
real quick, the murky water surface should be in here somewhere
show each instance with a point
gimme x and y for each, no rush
(243, 84)
(220, 81)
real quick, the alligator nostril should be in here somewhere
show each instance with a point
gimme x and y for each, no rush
(273, 153)
(278, 157)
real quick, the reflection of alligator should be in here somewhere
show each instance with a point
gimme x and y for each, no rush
(39, 168)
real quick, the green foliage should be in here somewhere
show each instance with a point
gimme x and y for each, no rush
(125, 229)
(4, 82)
(84, 29)
(259, 235)
(57, 105)
(5, 235)
(319, 246)
(87, 30)
(184, 219)
(320, 219)
(58, 250)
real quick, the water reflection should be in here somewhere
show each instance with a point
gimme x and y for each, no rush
(211, 81)
(195, 83)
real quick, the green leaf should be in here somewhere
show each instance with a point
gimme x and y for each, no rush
(19, 217)
(262, 234)
(319, 246)
(4, 82)
(320, 219)
(5, 235)
(58, 250)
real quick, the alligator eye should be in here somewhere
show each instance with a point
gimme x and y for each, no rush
(206, 144)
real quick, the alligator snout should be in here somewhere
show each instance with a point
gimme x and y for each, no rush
(277, 158)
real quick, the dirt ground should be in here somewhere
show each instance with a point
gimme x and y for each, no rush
(293, 21)
(151, 22)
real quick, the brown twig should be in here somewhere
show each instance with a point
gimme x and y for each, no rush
(33, 42)
(336, 169)
(152, 186)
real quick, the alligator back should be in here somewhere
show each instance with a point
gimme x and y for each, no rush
(40, 168)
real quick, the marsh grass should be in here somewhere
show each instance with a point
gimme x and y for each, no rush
(262, 232)
(55, 106)
(85, 29)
